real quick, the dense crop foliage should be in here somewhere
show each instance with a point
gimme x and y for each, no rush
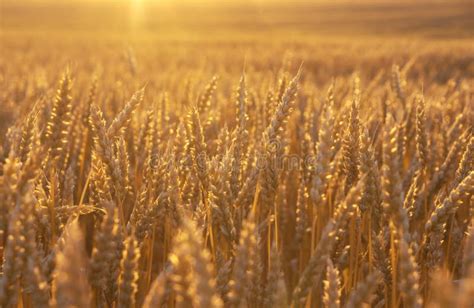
(239, 171)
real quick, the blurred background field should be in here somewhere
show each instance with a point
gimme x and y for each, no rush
(198, 34)
(227, 20)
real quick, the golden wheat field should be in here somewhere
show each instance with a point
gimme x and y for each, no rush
(236, 153)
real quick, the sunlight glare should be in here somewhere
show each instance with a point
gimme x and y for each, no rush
(136, 13)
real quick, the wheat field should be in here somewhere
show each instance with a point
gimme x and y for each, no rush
(254, 154)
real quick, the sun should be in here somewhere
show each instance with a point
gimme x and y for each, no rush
(136, 12)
